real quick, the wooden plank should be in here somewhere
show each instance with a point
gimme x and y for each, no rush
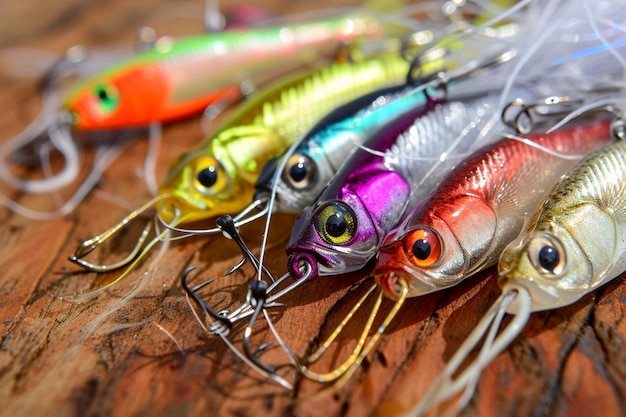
(149, 356)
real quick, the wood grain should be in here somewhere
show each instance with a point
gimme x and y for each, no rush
(149, 356)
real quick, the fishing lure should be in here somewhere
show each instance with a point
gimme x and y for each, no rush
(494, 179)
(462, 227)
(223, 170)
(574, 245)
(190, 74)
(172, 79)
(218, 176)
(345, 227)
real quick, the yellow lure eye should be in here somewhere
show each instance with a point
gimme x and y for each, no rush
(546, 255)
(336, 224)
(107, 98)
(422, 247)
(209, 177)
(300, 171)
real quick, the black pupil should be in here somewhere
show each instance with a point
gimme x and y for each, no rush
(549, 258)
(207, 177)
(298, 171)
(102, 94)
(336, 225)
(421, 249)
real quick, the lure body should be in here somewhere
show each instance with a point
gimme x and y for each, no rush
(182, 77)
(315, 161)
(345, 227)
(218, 177)
(577, 241)
(483, 204)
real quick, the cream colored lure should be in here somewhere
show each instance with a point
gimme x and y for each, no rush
(575, 244)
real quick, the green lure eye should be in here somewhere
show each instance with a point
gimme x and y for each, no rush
(336, 224)
(107, 98)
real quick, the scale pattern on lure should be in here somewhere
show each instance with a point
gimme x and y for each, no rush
(218, 177)
(463, 226)
(343, 230)
(180, 77)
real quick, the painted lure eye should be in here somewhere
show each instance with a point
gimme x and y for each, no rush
(546, 255)
(422, 247)
(107, 98)
(300, 171)
(209, 176)
(336, 224)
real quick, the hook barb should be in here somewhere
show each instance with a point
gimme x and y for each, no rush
(89, 245)
(223, 320)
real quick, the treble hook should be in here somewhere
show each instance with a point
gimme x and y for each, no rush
(258, 297)
(250, 358)
(425, 71)
(526, 119)
(227, 224)
(218, 317)
(247, 309)
(90, 245)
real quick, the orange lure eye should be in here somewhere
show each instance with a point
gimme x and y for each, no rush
(422, 247)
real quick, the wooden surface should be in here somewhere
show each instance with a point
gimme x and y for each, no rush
(149, 356)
